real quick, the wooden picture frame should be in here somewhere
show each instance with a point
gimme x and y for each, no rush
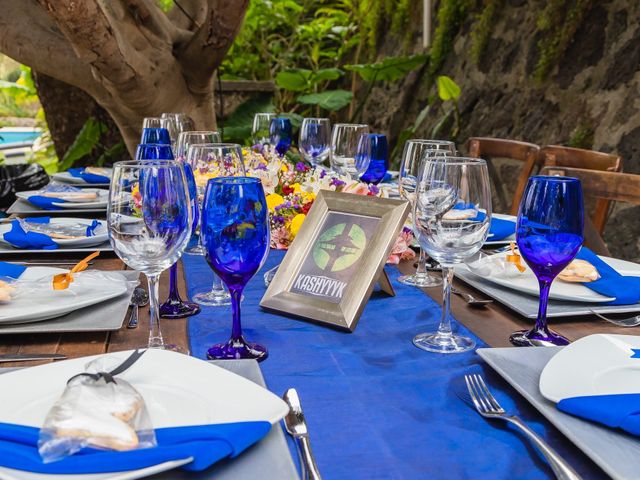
(337, 257)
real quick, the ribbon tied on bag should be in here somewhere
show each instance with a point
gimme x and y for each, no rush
(62, 281)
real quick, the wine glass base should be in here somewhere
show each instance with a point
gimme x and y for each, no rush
(171, 347)
(237, 349)
(537, 338)
(177, 309)
(440, 343)
(422, 281)
(213, 299)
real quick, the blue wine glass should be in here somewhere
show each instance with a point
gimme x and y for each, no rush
(174, 306)
(376, 147)
(154, 151)
(155, 135)
(281, 134)
(315, 140)
(549, 235)
(235, 235)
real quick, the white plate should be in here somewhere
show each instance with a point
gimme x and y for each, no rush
(179, 390)
(66, 177)
(100, 202)
(101, 233)
(87, 288)
(510, 238)
(594, 365)
(573, 292)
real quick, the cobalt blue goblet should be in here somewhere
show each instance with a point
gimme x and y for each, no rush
(549, 235)
(375, 145)
(173, 306)
(235, 235)
(281, 134)
(155, 135)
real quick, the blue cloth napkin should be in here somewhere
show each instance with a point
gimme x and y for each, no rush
(207, 444)
(46, 203)
(615, 411)
(501, 229)
(88, 177)
(91, 229)
(11, 270)
(29, 240)
(625, 289)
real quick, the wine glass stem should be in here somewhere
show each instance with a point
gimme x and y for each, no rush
(155, 335)
(445, 322)
(173, 283)
(236, 329)
(541, 321)
(217, 287)
(421, 271)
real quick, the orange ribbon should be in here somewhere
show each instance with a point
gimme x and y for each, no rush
(515, 258)
(63, 280)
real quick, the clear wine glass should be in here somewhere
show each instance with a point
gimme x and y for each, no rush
(414, 152)
(452, 214)
(185, 139)
(314, 140)
(344, 146)
(211, 161)
(235, 234)
(260, 129)
(149, 221)
(178, 123)
(549, 235)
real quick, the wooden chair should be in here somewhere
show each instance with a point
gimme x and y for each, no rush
(554, 155)
(604, 186)
(489, 148)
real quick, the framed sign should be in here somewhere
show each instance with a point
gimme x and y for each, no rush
(336, 259)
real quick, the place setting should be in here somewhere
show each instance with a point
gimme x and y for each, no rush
(85, 177)
(59, 198)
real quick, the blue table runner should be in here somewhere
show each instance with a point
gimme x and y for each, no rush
(377, 407)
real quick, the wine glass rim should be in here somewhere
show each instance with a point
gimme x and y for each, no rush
(553, 178)
(315, 118)
(146, 163)
(198, 132)
(154, 144)
(234, 180)
(350, 125)
(216, 145)
(455, 160)
(265, 113)
(428, 141)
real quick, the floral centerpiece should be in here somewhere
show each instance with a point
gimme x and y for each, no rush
(291, 187)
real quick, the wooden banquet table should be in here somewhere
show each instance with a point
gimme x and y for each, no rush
(493, 324)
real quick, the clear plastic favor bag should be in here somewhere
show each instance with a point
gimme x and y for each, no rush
(97, 410)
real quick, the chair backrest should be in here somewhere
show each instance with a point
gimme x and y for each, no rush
(555, 155)
(488, 148)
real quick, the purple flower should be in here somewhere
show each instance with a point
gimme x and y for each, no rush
(261, 166)
(336, 182)
(323, 173)
(374, 189)
(301, 167)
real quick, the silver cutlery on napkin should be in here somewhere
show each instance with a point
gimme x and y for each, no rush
(25, 357)
(487, 406)
(297, 428)
(620, 322)
(139, 298)
(470, 299)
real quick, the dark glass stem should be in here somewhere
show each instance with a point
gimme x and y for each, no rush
(155, 335)
(174, 295)
(236, 329)
(541, 321)
(445, 322)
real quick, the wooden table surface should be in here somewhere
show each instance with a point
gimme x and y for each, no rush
(493, 324)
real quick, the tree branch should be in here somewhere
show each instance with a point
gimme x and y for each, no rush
(206, 50)
(148, 14)
(29, 36)
(188, 14)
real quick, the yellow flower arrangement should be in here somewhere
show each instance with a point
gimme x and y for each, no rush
(295, 223)
(273, 200)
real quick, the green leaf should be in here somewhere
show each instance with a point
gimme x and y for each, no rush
(326, 74)
(87, 139)
(294, 80)
(447, 88)
(237, 127)
(330, 100)
(13, 88)
(389, 69)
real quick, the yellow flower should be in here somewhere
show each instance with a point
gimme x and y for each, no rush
(284, 168)
(273, 200)
(296, 222)
(308, 197)
(296, 188)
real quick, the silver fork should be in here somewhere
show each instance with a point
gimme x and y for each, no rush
(621, 322)
(470, 299)
(488, 407)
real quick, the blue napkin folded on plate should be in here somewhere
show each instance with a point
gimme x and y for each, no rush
(46, 203)
(88, 177)
(625, 289)
(207, 444)
(29, 240)
(615, 411)
(501, 229)
(11, 270)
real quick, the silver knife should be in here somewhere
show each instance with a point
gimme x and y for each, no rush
(25, 357)
(297, 428)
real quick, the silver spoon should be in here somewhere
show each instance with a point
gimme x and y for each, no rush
(139, 298)
(470, 299)
(621, 322)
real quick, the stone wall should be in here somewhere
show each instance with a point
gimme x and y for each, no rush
(590, 99)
